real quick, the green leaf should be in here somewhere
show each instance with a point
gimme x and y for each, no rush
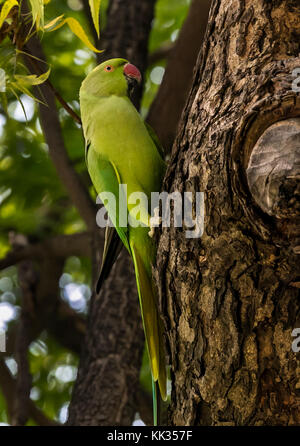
(22, 82)
(6, 8)
(37, 9)
(23, 88)
(76, 29)
(53, 22)
(95, 11)
(32, 79)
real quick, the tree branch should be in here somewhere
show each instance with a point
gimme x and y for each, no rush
(61, 246)
(27, 278)
(66, 326)
(58, 96)
(162, 52)
(166, 109)
(8, 387)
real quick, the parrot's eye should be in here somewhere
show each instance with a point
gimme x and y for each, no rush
(109, 68)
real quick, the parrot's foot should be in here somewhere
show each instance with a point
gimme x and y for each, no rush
(151, 232)
(155, 221)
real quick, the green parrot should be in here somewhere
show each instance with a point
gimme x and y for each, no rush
(121, 149)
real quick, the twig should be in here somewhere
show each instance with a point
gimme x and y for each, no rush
(57, 95)
(60, 246)
(16, 256)
(64, 103)
(162, 52)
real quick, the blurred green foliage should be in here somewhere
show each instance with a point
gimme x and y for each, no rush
(34, 202)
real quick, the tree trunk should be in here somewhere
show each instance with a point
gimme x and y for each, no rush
(229, 299)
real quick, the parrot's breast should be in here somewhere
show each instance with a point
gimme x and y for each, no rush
(117, 132)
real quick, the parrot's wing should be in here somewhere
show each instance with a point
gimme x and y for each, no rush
(106, 181)
(155, 139)
(112, 248)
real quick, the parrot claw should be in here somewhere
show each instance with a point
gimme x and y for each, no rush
(151, 232)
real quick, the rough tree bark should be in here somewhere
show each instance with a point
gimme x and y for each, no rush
(105, 392)
(230, 298)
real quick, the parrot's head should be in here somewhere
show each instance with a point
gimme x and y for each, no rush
(113, 77)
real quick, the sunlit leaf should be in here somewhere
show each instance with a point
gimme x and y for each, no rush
(6, 8)
(24, 89)
(53, 22)
(18, 98)
(22, 82)
(77, 29)
(32, 79)
(37, 8)
(95, 10)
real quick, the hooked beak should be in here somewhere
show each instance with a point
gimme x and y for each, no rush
(131, 72)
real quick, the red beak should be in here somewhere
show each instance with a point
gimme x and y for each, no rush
(132, 72)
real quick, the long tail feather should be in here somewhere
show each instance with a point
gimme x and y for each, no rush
(151, 323)
(154, 402)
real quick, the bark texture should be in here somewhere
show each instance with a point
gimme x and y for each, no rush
(230, 298)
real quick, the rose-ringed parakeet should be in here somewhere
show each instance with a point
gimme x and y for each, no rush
(121, 149)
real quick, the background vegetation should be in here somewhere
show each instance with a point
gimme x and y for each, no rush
(34, 203)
